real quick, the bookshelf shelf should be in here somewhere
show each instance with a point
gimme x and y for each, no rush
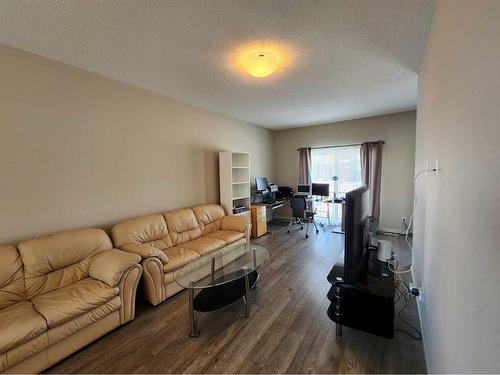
(242, 197)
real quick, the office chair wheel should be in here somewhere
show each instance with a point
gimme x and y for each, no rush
(288, 231)
(307, 236)
(317, 231)
(301, 228)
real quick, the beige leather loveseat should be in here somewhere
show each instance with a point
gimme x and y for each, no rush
(168, 241)
(58, 293)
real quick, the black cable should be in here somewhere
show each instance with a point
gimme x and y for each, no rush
(399, 297)
(407, 297)
(419, 336)
(408, 333)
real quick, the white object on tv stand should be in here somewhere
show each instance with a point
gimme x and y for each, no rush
(234, 181)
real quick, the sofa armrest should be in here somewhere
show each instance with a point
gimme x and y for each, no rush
(236, 223)
(239, 224)
(128, 288)
(109, 265)
(145, 251)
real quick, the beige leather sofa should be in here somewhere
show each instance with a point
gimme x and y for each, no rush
(168, 241)
(58, 293)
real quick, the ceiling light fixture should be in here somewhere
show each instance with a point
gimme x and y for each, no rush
(260, 63)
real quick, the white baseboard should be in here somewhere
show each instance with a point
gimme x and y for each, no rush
(392, 230)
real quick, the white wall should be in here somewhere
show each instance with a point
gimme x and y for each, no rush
(398, 132)
(457, 229)
(78, 149)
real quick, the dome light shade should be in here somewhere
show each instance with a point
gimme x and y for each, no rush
(260, 63)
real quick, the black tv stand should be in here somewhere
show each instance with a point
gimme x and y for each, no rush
(366, 304)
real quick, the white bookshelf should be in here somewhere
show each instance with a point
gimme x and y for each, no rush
(234, 175)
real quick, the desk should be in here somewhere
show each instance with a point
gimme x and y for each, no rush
(339, 227)
(327, 212)
(340, 205)
(270, 208)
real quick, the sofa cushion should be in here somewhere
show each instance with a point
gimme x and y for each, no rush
(12, 288)
(209, 217)
(23, 351)
(149, 229)
(178, 257)
(55, 261)
(228, 236)
(19, 323)
(182, 226)
(82, 321)
(204, 244)
(66, 303)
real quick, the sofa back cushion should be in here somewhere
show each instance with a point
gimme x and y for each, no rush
(149, 229)
(209, 217)
(182, 225)
(12, 288)
(61, 259)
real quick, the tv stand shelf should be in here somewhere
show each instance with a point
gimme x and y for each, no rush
(367, 304)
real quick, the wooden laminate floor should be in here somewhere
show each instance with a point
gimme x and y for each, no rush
(288, 330)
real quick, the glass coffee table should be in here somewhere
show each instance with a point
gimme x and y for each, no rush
(222, 277)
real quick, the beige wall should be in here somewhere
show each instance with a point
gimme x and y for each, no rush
(456, 236)
(78, 149)
(397, 130)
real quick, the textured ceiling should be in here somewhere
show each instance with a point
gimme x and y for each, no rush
(346, 59)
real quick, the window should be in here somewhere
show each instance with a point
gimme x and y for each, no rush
(343, 162)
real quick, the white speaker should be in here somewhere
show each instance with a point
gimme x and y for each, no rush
(384, 252)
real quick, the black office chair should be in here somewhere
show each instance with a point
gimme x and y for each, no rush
(301, 212)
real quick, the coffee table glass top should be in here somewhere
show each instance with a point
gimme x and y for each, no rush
(221, 266)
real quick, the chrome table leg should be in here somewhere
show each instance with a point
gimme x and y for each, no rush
(192, 321)
(247, 296)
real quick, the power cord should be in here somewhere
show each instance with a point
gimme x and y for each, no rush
(394, 265)
(407, 297)
(405, 225)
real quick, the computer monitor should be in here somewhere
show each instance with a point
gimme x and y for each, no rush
(322, 190)
(303, 188)
(261, 183)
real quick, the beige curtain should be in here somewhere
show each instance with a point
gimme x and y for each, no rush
(371, 173)
(305, 165)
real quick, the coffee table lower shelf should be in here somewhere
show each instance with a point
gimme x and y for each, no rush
(214, 298)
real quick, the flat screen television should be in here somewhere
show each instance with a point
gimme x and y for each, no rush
(357, 238)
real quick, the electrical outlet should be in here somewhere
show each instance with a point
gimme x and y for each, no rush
(436, 167)
(420, 295)
(403, 219)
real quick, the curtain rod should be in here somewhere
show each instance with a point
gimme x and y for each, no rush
(349, 145)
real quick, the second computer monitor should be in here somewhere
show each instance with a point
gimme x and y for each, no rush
(322, 190)
(304, 189)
